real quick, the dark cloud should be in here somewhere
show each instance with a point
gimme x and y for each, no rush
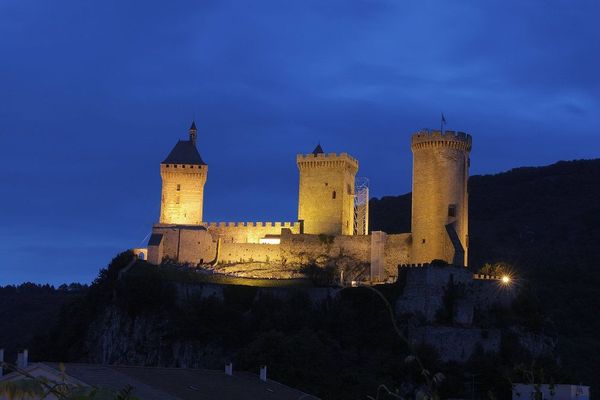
(94, 95)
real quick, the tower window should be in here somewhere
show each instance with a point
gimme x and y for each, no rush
(423, 241)
(452, 210)
(333, 195)
(174, 165)
(349, 189)
(178, 187)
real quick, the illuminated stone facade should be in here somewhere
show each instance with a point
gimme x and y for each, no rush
(324, 230)
(439, 199)
(326, 192)
(183, 176)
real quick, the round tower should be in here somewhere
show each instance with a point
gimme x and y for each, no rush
(183, 175)
(326, 192)
(440, 209)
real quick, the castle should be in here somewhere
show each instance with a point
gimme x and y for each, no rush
(328, 229)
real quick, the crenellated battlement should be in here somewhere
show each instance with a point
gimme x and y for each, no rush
(253, 224)
(423, 265)
(183, 167)
(325, 160)
(433, 138)
(482, 277)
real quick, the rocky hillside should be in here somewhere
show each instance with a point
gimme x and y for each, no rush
(545, 222)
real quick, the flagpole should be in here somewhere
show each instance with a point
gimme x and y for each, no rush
(442, 122)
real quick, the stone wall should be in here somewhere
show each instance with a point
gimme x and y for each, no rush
(425, 286)
(190, 244)
(397, 252)
(249, 252)
(306, 249)
(198, 245)
(249, 232)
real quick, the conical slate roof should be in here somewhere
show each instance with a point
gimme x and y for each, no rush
(318, 150)
(184, 152)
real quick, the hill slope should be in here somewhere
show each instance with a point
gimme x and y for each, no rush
(545, 221)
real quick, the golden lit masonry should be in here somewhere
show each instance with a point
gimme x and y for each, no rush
(326, 194)
(439, 197)
(183, 176)
(326, 211)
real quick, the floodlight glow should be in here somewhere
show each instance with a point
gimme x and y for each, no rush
(505, 279)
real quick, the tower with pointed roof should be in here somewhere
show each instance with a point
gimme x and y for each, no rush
(326, 192)
(183, 175)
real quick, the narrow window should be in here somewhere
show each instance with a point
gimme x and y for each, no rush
(349, 189)
(177, 200)
(423, 241)
(178, 187)
(452, 210)
(333, 195)
(174, 165)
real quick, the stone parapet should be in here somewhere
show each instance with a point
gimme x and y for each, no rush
(431, 138)
(325, 160)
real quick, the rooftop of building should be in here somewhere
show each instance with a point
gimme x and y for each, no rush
(184, 152)
(154, 383)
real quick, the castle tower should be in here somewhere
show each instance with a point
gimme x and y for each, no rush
(183, 176)
(439, 197)
(326, 194)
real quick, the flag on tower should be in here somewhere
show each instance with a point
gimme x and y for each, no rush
(443, 123)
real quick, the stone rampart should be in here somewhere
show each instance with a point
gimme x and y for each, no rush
(434, 138)
(249, 252)
(397, 251)
(198, 245)
(249, 232)
(306, 249)
(425, 287)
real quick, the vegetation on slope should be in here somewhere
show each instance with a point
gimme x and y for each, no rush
(545, 222)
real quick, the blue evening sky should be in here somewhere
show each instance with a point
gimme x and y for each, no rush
(94, 94)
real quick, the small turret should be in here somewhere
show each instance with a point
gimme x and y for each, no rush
(193, 132)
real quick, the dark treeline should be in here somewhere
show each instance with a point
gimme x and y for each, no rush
(336, 348)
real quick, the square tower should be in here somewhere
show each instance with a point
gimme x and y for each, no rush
(326, 192)
(183, 176)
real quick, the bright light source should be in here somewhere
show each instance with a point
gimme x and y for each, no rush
(267, 240)
(505, 279)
